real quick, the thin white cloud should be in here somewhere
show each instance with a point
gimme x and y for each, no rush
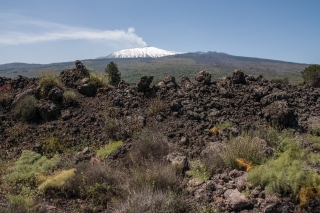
(48, 31)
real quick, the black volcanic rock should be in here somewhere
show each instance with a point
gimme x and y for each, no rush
(203, 77)
(144, 83)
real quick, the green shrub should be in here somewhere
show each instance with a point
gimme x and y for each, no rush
(314, 140)
(289, 172)
(110, 148)
(68, 97)
(52, 145)
(311, 73)
(271, 135)
(48, 80)
(99, 80)
(199, 171)
(25, 109)
(316, 132)
(24, 199)
(25, 169)
(244, 147)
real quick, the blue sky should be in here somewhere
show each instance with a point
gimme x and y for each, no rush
(43, 31)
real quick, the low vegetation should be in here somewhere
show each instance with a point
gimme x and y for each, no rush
(110, 148)
(284, 80)
(5, 95)
(25, 109)
(243, 147)
(290, 171)
(27, 167)
(55, 181)
(47, 81)
(100, 80)
(69, 97)
(311, 73)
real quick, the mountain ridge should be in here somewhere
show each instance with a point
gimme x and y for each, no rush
(142, 52)
(187, 64)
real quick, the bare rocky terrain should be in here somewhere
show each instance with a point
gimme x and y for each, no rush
(183, 114)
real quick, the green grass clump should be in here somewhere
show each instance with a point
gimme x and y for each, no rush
(68, 97)
(48, 80)
(314, 140)
(99, 80)
(26, 108)
(290, 171)
(29, 163)
(57, 180)
(199, 171)
(110, 148)
(224, 125)
(216, 130)
(24, 199)
(245, 147)
(316, 132)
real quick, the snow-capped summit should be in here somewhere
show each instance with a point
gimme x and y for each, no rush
(144, 52)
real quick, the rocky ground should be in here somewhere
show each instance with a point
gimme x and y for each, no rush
(183, 113)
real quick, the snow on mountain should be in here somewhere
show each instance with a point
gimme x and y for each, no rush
(144, 52)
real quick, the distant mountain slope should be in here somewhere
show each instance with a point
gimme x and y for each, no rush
(144, 52)
(218, 64)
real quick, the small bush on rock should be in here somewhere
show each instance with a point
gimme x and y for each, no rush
(48, 80)
(99, 80)
(69, 97)
(199, 171)
(25, 109)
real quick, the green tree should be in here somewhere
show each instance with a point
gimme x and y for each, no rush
(113, 73)
(311, 73)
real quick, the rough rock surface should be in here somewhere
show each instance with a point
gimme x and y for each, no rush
(203, 77)
(144, 83)
(70, 77)
(183, 113)
(87, 88)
